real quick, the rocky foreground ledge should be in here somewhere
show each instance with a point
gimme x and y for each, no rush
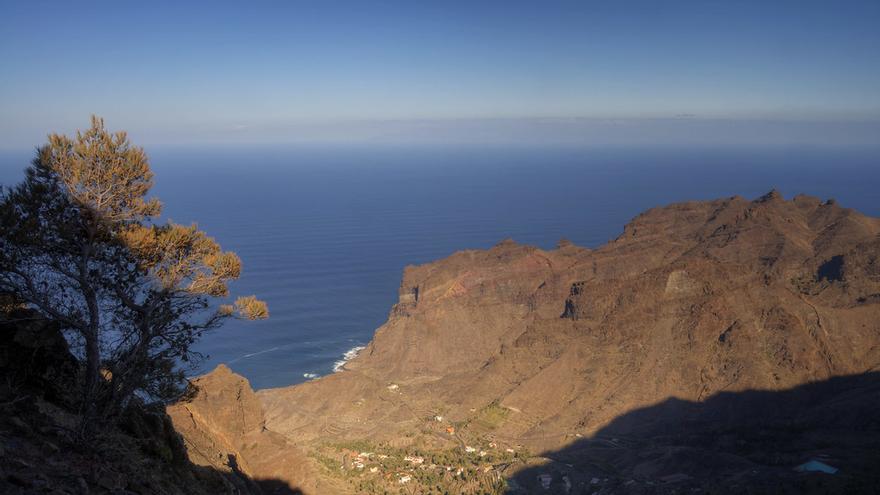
(717, 344)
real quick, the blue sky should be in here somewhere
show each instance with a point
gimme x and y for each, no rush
(188, 72)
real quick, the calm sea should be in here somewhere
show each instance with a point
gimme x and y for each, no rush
(324, 233)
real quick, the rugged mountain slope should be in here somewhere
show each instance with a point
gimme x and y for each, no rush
(223, 428)
(41, 452)
(541, 348)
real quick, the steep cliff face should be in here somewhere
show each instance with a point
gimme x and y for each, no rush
(693, 299)
(223, 428)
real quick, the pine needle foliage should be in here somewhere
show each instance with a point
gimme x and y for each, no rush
(81, 244)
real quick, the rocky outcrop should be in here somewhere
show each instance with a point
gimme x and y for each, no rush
(41, 450)
(34, 356)
(691, 300)
(223, 427)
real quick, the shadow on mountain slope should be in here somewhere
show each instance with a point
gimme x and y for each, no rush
(276, 487)
(264, 486)
(733, 442)
(40, 452)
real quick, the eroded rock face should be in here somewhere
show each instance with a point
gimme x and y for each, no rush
(691, 300)
(223, 427)
(716, 343)
(34, 355)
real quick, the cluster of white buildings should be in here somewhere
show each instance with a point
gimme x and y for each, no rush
(363, 460)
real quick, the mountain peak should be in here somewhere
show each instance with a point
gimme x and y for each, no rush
(541, 347)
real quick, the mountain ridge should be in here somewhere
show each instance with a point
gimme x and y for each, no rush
(771, 239)
(532, 350)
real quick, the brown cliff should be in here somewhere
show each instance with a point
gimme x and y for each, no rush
(223, 428)
(541, 348)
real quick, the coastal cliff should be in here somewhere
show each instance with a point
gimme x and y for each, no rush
(623, 366)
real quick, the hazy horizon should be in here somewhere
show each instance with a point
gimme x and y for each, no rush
(325, 232)
(684, 132)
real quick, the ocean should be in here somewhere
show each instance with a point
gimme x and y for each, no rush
(324, 232)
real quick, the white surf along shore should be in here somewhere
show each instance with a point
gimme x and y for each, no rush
(348, 356)
(340, 364)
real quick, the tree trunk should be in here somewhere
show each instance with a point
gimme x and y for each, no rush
(132, 367)
(92, 383)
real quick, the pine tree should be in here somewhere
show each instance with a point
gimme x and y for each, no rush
(80, 244)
